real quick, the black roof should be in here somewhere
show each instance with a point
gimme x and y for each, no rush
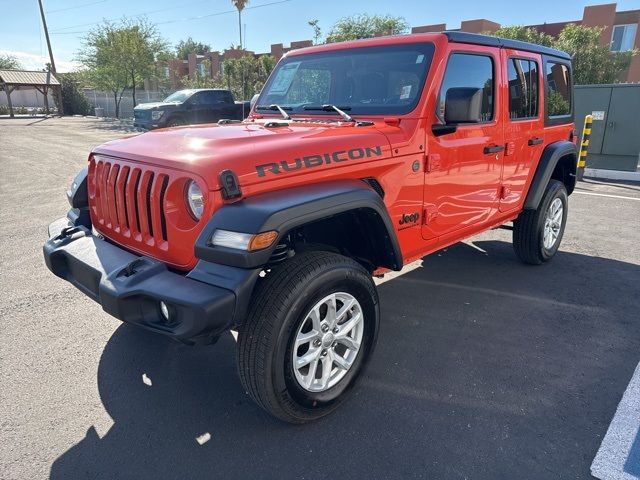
(474, 38)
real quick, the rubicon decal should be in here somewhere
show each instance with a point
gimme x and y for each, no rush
(318, 160)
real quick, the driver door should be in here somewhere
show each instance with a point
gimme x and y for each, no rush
(464, 167)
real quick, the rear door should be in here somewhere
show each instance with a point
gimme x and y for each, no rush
(464, 168)
(524, 127)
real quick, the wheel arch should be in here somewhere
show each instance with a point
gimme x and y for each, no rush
(559, 162)
(310, 209)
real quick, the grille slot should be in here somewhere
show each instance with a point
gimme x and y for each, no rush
(129, 200)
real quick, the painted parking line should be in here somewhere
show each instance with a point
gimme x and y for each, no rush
(619, 454)
(606, 195)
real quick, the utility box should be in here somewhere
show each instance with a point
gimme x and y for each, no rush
(615, 134)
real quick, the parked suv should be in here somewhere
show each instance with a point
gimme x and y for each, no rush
(357, 158)
(188, 107)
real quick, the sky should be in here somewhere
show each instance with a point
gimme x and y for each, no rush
(215, 22)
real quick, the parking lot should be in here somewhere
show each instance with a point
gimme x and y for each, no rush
(485, 368)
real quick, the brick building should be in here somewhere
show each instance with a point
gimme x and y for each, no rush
(621, 32)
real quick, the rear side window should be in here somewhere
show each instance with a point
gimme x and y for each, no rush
(558, 102)
(466, 70)
(523, 88)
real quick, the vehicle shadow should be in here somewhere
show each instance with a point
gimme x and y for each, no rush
(485, 368)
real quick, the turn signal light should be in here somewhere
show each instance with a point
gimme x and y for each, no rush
(262, 240)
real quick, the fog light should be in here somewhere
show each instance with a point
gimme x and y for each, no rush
(164, 309)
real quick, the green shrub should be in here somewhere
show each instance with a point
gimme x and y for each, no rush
(21, 110)
(74, 101)
(4, 110)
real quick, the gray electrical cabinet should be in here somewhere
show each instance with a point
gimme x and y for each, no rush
(615, 135)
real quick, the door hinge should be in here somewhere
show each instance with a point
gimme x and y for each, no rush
(505, 191)
(432, 162)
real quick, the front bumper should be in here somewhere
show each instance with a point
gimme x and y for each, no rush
(130, 287)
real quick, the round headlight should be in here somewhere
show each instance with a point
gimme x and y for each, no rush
(195, 200)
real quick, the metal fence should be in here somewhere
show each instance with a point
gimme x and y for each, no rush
(106, 101)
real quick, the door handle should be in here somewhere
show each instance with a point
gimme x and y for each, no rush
(535, 141)
(493, 149)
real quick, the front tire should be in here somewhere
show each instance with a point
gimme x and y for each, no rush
(310, 330)
(537, 233)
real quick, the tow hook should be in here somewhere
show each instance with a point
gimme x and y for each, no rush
(130, 269)
(66, 232)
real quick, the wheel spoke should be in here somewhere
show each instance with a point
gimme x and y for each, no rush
(327, 366)
(303, 338)
(349, 342)
(307, 358)
(314, 315)
(330, 318)
(340, 361)
(345, 308)
(347, 326)
(311, 375)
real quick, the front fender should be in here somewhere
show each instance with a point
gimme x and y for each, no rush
(287, 209)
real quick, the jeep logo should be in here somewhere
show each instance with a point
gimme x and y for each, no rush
(409, 218)
(318, 160)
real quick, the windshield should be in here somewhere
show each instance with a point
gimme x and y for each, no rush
(366, 80)
(179, 96)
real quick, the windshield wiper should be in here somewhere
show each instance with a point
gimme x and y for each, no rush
(278, 108)
(330, 108)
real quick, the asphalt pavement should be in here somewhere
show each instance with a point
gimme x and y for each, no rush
(485, 368)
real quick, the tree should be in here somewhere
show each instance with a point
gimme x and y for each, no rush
(120, 56)
(525, 34)
(74, 101)
(245, 76)
(592, 63)
(366, 26)
(185, 47)
(9, 62)
(317, 32)
(240, 5)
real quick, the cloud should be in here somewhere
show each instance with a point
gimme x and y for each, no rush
(32, 61)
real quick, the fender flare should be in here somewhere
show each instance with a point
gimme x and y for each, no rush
(284, 210)
(547, 164)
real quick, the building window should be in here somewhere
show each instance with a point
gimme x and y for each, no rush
(165, 71)
(523, 88)
(201, 69)
(623, 37)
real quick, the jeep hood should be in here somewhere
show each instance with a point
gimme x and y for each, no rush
(255, 153)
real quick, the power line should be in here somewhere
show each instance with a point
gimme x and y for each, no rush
(58, 31)
(75, 6)
(150, 12)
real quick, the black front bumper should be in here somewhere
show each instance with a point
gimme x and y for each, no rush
(131, 287)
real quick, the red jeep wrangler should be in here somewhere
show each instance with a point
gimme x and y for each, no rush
(357, 158)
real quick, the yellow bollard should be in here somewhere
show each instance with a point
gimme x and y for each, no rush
(584, 145)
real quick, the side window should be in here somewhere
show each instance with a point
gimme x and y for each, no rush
(523, 88)
(469, 73)
(196, 99)
(558, 101)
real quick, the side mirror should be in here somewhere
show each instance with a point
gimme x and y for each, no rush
(463, 105)
(253, 101)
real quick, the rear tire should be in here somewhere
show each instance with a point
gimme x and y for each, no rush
(537, 233)
(289, 321)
